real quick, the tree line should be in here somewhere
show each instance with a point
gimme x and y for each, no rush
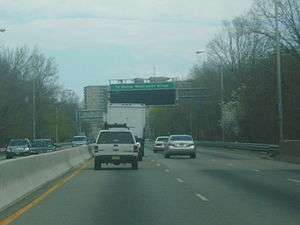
(244, 52)
(26, 74)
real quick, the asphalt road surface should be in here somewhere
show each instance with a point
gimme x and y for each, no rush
(219, 187)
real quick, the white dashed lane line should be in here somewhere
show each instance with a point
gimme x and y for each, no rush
(255, 170)
(179, 180)
(167, 170)
(229, 164)
(203, 198)
(294, 180)
(158, 164)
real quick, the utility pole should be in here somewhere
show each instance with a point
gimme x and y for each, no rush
(33, 110)
(56, 124)
(154, 71)
(279, 75)
(221, 105)
(191, 119)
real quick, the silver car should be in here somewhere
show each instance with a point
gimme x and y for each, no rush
(18, 147)
(180, 145)
(159, 144)
(79, 140)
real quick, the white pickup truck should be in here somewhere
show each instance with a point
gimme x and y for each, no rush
(116, 146)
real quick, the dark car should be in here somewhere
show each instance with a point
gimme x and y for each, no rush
(39, 146)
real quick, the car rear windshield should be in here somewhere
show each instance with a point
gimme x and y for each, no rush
(181, 138)
(17, 142)
(115, 138)
(164, 139)
(79, 139)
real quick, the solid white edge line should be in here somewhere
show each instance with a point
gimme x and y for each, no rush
(179, 180)
(203, 198)
(294, 180)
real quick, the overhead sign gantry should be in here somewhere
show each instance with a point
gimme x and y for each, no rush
(143, 91)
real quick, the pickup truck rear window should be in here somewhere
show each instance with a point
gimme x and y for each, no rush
(115, 138)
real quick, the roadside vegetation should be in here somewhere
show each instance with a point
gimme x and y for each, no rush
(244, 51)
(23, 70)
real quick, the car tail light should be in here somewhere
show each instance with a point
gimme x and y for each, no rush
(172, 144)
(191, 144)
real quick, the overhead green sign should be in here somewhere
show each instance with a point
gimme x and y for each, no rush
(144, 86)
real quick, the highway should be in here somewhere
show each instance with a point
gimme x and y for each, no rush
(220, 187)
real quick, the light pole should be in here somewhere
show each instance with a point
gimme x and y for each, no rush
(279, 75)
(222, 94)
(199, 52)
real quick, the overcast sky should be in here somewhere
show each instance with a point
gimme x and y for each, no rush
(96, 40)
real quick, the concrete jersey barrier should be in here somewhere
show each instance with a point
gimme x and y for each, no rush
(21, 176)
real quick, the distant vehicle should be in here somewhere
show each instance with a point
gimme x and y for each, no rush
(160, 143)
(180, 145)
(39, 146)
(134, 116)
(116, 146)
(79, 140)
(18, 147)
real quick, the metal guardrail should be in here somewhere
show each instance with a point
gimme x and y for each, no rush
(239, 145)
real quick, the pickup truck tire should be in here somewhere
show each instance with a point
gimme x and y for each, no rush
(140, 157)
(193, 156)
(167, 156)
(97, 165)
(134, 165)
(8, 157)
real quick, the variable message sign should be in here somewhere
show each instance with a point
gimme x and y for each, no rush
(146, 93)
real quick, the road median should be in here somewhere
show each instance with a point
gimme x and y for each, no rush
(21, 176)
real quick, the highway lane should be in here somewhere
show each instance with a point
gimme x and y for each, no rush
(219, 187)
